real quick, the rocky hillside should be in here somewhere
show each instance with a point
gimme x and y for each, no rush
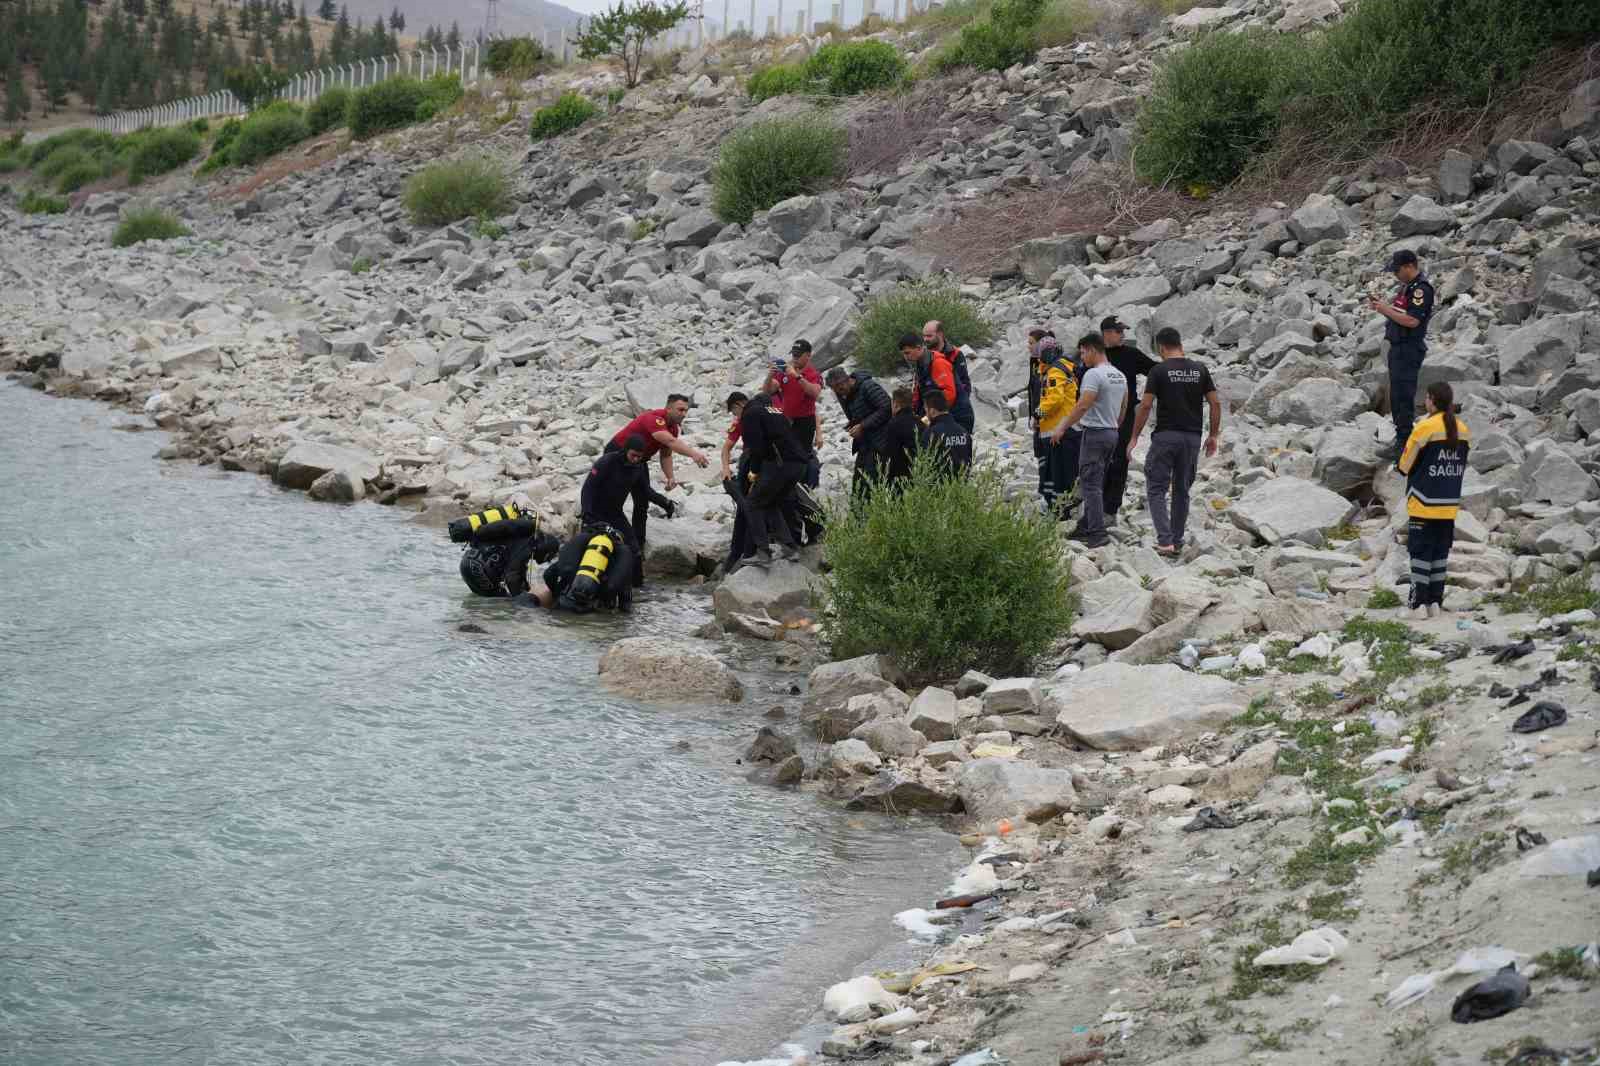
(307, 331)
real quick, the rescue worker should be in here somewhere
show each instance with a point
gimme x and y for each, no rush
(901, 438)
(1057, 394)
(1134, 364)
(930, 370)
(1102, 403)
(1406, 330)
(795, 385)
(502, 545)
(779, 465)
(1178, 389)
(615, 477)
(591, 571)
(934, 340)
(734, 481)
(660, 430)
(867, 409)
(1435, 465)
(948, 438)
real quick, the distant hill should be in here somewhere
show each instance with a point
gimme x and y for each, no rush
(517, 17)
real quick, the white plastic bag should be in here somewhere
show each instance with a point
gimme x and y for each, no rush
(858, 999)
(1317, 947)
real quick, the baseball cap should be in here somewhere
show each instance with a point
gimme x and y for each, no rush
(801, 345)
(1112, 322)
(1404, 257)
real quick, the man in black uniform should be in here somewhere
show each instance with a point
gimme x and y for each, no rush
(1405, 330)
(1134, 364)
(613, 479)
(780, 464)
(951, 440)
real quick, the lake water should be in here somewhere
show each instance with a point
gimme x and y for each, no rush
(261, 802)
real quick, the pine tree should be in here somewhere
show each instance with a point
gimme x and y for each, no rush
(339, 45)
(17, 102)
(327, 12)
(258, 46)
(453, 41)
(162, 8)
(397, 21)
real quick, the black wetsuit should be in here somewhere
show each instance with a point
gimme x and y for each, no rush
(612, 481)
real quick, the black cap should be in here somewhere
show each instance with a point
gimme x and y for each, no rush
(634, 443)
(1404, 257)
(1113, 322)
(801, 345)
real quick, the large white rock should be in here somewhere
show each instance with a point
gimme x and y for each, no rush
(934, 714)
(658, 670)
(1320, 218)
(1115, 611)
(1121, 707)
(309, 460)
(1012, 695)
(1550, 474)
(190, 358)
(1005, 788)
(1317, 402)
(792, 220)
(773, 591)
(832, 684)
(819, 311)
(853, 756)
(1288, 508)
(684, 547)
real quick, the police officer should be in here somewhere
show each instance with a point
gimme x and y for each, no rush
(1405, 330)
(1134, 365)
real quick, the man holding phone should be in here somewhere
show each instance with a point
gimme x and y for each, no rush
(796, 384)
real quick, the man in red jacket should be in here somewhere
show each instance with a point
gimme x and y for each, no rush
(659, 429)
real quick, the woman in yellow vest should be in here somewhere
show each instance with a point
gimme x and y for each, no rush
(1435, 465)
(1057, 395)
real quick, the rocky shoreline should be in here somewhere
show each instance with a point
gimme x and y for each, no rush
(1232, 751)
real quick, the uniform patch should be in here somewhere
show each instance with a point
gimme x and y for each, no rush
(1417, 295)
(661, 421)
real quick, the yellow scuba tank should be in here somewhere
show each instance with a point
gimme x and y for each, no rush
(464, 529)
(586, 583)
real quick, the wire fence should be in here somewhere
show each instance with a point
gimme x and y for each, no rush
(466, 61)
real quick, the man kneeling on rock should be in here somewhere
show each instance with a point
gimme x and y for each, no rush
(615, 478)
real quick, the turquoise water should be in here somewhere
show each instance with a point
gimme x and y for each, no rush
(261, 802)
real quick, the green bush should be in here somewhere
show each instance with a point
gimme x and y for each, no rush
(772, 161)
(905, 309)
(328, 111)
(1066, 21)
(438, 93)
(1214, 105)
(459, 188)
(388, 105)
(35, 202)
(780, 79)
(1007, 37)
(92, 141)
(11, 162)
(222, 146)
(68, 157)
(1223, 100)
(147, 224)
(201, 126)
(78, 175)
(163, 151)
(945, 575)
(855, 67)
(515, 57)
(568, 113)
(267, 132)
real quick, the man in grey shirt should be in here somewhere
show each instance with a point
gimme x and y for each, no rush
(1102, 401)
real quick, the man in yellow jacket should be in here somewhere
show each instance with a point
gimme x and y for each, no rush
(1057, 394)
(1435, 465)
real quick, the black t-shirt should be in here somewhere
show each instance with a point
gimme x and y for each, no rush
(1180, 387)
(1134, 364)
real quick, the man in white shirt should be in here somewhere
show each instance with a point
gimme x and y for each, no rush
(1102, 401)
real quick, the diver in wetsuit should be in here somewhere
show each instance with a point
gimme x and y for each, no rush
(594, 569)
(502, 545)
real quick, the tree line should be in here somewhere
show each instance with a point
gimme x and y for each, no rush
(138, 53)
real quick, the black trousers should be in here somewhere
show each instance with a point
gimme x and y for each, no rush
(1429, 541)
(866, 469)
(1058, 468)
(1405, 364)
(774, 485)
(1117, 472)
(641, 504)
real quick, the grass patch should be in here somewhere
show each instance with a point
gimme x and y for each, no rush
(946, 575)
(34, 202)
(1551, 596)
(1564, 962)
(1331, 907)
(904, 309)
(1250, 980)
(222, 146)
(1007, 36)
(455, 189)
(162, 152)
(362, 265)
(772, 161)
(147, 224)
(1332, 864)
(1383, 600)
(1316, 696)
(329, 111)
(267, 132)
(779, 79)
(568, 113)
(1466, 859)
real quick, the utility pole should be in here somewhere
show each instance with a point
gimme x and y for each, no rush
(491, 21)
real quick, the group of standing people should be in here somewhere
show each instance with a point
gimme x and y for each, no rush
(1087, 418)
